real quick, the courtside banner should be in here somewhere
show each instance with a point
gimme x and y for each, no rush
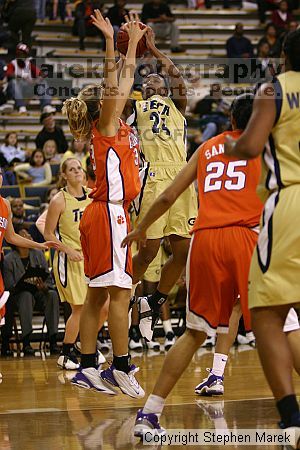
(234, 437)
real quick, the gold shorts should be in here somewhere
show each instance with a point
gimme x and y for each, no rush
(180, 218)
(70, 279)
(275, 268)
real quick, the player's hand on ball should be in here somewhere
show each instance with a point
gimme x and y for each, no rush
(102, 24)
(133, 29)
(136, 235)
(150, 38)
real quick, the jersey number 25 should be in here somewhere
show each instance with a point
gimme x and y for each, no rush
(236, 178)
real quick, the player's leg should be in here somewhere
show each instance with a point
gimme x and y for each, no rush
(276, 358)
(143, 258)
(177, 360)
(89, 376)
(67, 360)
(121, 372)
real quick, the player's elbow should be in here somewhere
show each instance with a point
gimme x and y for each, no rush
(167, 199)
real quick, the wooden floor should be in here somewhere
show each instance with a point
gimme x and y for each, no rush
(41, 410)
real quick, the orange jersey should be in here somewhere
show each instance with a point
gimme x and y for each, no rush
(227, 187)
(116, 164)
(3, 226)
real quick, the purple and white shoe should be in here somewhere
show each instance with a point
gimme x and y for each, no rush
(147, 422)
(125, 381)
(90, 379)
(212, 385)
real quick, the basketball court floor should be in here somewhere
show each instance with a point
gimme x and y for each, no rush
(41, 410)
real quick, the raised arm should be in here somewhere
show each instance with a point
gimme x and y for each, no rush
(56, 208)
(177, 84)
(108, 120)
(164, 202)
(129, 62)
(254, 138)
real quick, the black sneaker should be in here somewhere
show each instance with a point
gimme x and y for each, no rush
(28, 350)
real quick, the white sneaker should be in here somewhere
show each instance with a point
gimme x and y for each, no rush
(90, 379)
(169, 340)
(125, 381)
(153, 345)
(22, 110)
(68, 362)
(135, 344)
(100, 358)
(6, 108)
(146, 318)
(210, 341)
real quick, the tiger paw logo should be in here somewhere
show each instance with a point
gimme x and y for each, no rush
(120, 220)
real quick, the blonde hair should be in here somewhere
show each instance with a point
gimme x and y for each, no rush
(62, 182)
(83, 110)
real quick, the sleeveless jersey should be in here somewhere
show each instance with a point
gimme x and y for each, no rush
(227, 187)
(116, 165)
(68, 225)
(162, 130)
(3, 226)
(281, 156)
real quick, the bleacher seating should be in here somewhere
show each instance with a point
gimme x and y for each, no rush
(37, 191)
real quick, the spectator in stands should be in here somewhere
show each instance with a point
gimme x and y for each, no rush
(26, 80)
(213, 112)
(281, 17)
(238, 46)
(266, 5)
(18, 213)
(50, 151)
(83, 24)
(157, 14)
(21, 21)
(270, 36)
(116, 15)
(26, 276)
(79, 150)
(51, 131)
(10, 152)
(5, 106)
(37, 170)
(63, 9)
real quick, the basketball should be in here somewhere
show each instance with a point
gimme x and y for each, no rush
(123, 38)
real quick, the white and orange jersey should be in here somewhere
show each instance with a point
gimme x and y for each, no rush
(227, 187)
(115, 161)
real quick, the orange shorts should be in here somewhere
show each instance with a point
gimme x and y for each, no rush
(217, 273)
(102, 228)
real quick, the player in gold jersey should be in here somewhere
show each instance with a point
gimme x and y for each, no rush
(275, 269)
(161, 125)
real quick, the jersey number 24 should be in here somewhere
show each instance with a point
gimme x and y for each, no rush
(236, 178)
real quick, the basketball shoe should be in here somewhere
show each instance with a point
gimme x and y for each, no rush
(212, 385)
(90, 379)
(125, 381)
(169, 340)
(135, 342)
(147, 422)
(148, 318)
(68, 362)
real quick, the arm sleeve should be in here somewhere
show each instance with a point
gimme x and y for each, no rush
(22, 167)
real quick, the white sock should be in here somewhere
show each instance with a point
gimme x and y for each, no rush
(167, 326)
(154, 404)
(219, 364)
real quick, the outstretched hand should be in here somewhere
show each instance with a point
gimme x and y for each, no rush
(102, 24)
(132, 27)
(50, 244)
(135, 235)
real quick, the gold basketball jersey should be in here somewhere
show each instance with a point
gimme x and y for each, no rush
(162, 130)
(282, 154)
(68, 225)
